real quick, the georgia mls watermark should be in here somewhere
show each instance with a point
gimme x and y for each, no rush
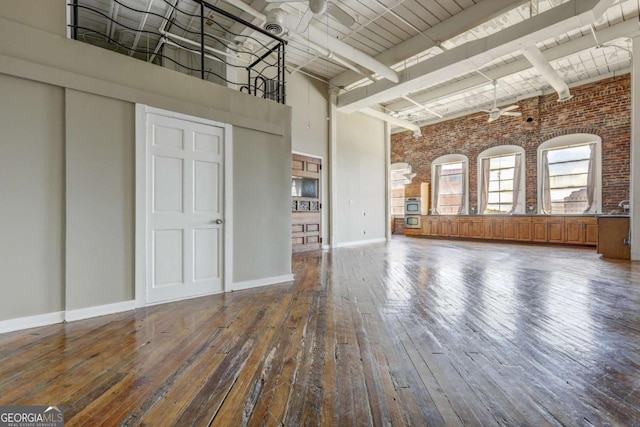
(31, 416)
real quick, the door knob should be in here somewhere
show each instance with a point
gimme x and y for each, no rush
(218, 221)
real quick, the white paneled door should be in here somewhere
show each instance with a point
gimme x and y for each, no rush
(184, 208)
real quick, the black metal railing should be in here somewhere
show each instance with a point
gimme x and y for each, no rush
(190, 36)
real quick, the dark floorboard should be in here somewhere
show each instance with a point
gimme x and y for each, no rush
(413, 332)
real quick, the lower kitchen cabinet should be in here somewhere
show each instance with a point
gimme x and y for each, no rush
(523, 228)
(539, 230)
(581, 230)
(487, 229)
(445, 227)
(574, 230)
(493, 228)
(464, 225)
(429, 225)
(591, 231)
(454, 227)
(509, 230)
(555, 229)
(497, 228)
(475, 228)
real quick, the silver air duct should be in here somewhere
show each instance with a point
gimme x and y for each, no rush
(318, 37)
(540, 63)
(318, 7)
(275, 21)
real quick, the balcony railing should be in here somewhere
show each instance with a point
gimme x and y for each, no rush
(189, 36)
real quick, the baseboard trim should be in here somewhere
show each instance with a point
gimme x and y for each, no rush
(261, 282)
(99, 310)
(361, 242)
(27, 322)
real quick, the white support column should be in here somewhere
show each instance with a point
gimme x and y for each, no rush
(333, 164)
(634, 190)
(387, 181)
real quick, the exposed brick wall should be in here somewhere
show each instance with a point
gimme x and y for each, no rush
(602, 108)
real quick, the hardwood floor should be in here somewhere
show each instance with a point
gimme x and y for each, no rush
(414, 332)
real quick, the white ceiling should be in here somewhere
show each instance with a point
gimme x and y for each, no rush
(383, 26)
(445, 52)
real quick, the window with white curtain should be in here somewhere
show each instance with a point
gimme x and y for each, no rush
(501, 180)
(398, 179)
(450, 189)
(570, 175)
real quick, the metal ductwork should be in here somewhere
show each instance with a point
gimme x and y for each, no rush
(392, 120)
(318, 7)
(347, 51)
(540, 63)
(275, 22)
(320, 38)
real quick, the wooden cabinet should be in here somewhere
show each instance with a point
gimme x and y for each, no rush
(412, 190)
(573, 231)
(555, 230)
(581, 230)
(426, 231)
(475, 228)
(510, 232)
(306, 215)
(523, 228)
(464, 227)
(548, 229)
(445, 227)
(539, 229)
(430, 226)
(441, 226)
(612, 235)
(497, 225)
(493, 228)
(487, 229)
(591, 231)
(454, 227)
(542, 229)
(412, 232)
(517, 228)
(448, 226)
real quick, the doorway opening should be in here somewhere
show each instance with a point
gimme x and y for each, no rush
(306, 206)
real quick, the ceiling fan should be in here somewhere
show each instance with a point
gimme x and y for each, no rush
(496, 112)
(319, 7)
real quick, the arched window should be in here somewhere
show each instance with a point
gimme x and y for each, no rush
(569, 175)
(450, 185)
(501, 180)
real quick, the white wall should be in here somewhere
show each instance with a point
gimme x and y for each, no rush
(309, 99)
(360, 179)
(99, 200)
(261, 169)
(40, 72)
(31, 198)
(48, 15)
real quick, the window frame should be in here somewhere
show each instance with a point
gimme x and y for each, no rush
(392, 168)
(502, 151)
(447, 159)
(566, 141)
